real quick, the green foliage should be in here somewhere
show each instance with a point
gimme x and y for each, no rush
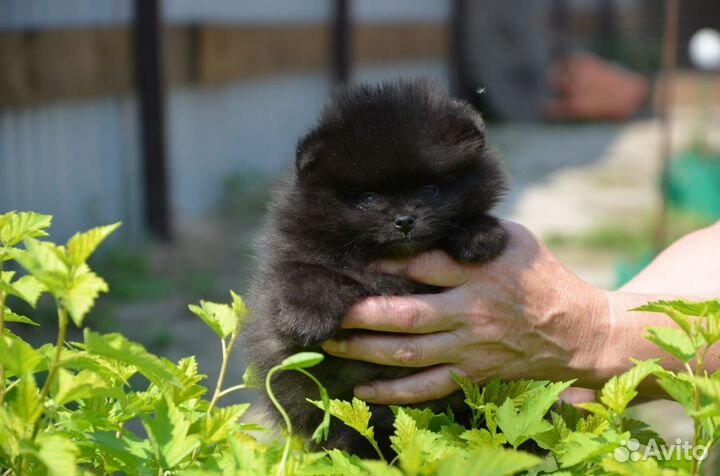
(68, 408)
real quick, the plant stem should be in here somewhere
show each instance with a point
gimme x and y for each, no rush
(2, 335)
(226, 349)
(62, 332)
(232, 389)
(697, 427)
(286, 417)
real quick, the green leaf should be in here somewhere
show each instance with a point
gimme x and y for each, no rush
(219, 317)
(619, 391)
(71, 387)
(27, 404)
(80, 297)
(597, 424)
(82, 245)
(46, 261)
(58, 454)
(18, 356)
(481, 438)
(117, 347)
(586, 447)
(27, 288)
(356, 415)
(521, 424)
(221, 423)
(239, 308)
(168, 434)
(132, 456)
(488, 462)
(679, 387)
(10, 316)
(17, 226)
(413, 445)
(302, 360)
(551, 438)
(673, 341)
(641, 431)
(595, 408)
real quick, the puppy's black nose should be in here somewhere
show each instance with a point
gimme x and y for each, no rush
(404, 223)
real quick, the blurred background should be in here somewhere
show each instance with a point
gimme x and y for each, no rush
(176, 117)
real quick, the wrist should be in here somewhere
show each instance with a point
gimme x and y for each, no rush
(591, 338)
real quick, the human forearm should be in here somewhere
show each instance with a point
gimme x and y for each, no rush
(688, 267)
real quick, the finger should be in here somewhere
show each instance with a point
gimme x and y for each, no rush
(559, 109)
(434, 267)
(430, 384)
(421, 350)
(418, 314)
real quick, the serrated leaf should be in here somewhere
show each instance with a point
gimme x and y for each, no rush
(488, 462)
(412, 444)
(480, 438)
(132, 455)
(302, 360)
(551, 438)
(10, 316)
(619, 391)
(81, 245)
(517, 427)
(219, 317)
(58, 454)
(679, 387)
(71, 387)
(595, 408)
(27, 288)
(240, 309)
(222, 422)
(18, 356)
(583, 447)
(597, 424)
(641, 431)
(673, 341)
(46, 261)
(168, 434)
(117, 347)
(521, 424)
(26, 403)
(17, 226)
(355, 414)
(82, 292)
(682, 311)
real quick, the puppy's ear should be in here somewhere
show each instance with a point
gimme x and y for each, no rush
(307, 153)
(469, 131)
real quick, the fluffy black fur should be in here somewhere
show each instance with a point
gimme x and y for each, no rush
(388, 171)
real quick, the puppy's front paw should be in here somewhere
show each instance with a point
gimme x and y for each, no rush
(481, 243)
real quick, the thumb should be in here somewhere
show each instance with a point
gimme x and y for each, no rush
(434, 268)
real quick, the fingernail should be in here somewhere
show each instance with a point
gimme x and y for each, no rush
(365, 392)
(335, 346)
(390, 266)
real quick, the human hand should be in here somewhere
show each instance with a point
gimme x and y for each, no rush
(588, 87)
(523, 315)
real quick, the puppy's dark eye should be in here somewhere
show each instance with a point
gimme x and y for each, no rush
(428, 192)
(366, 200)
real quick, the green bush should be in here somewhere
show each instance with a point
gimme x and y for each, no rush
(68, 408)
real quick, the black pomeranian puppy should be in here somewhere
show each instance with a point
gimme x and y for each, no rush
(389, 171)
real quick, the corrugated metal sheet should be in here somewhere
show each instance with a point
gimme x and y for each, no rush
(77, 161)
(23, 14)
(80, 160)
